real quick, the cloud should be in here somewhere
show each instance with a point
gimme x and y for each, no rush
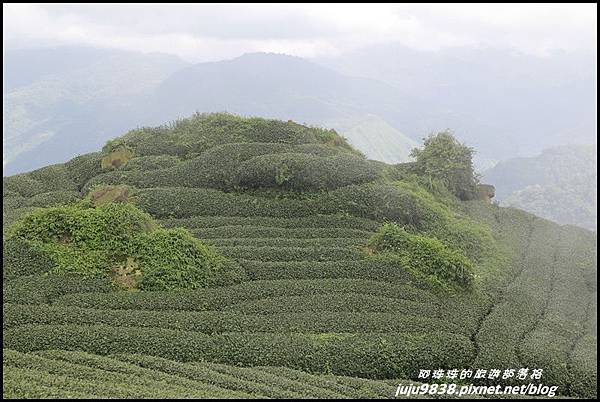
(217, 31)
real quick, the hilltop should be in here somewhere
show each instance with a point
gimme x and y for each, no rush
(226, 256)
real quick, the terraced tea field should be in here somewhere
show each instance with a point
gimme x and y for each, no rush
(317, 313)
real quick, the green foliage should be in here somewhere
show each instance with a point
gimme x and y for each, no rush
(53, 198)
(305, 172)
(37, 289)
(96, 241)
(243, 317)
(424, 255)
(445, 159)
(50, 178)
(281, 278)
(307, 223)
(22, 257)
(82, 168)
(153, 162)
(360, 355)
(172, 259)
(187, 138)
(65, 374)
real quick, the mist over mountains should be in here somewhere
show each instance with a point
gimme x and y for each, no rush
(66, 101)
(559, 184)
(503, 103)
(384, 99)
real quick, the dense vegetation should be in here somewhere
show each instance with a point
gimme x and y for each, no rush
(115, 240)
(276, 261)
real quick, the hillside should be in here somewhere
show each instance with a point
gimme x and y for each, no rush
(221, 256)
(53, 98)
(375, 117)
(51, 103)
(559, 184)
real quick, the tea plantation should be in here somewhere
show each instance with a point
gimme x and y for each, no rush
(230, 257)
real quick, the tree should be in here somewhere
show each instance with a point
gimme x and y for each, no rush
(447, 160)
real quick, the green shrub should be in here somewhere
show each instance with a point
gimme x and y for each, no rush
(445, 159)
(304, 223)
(242, 320)
(303, 172)
(275, 232)
(219, 297)
(13, 201)
(22, 184)
(82, 168)
(53, 198)
(146, 163)
(21, 258)
(187, 202)
(172, 258)
(424, 255)
(278, 253)
(44, 289)
(360, 355)
(119, 240)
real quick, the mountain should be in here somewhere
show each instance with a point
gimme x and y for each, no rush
(53, 107)
(559, 184)
(62, 102)
(222, 256)
(376, 117)
(503, 102)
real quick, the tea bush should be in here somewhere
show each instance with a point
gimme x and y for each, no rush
(37, 289)
(146, 163)
(211, 322)
(304, 172)
(424, 256)
(21, 258)
(53, 198)
(275, 232)
(313, 221)
(360, 355)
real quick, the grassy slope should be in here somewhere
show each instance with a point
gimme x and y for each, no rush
(314, 303)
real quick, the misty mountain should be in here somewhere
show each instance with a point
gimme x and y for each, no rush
(65, 101)
(74, 110)
(559, 184)
(500, 101)
(373, 116)
(503, 103)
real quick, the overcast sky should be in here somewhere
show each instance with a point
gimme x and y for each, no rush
(214, 32)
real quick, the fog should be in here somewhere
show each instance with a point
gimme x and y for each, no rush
(509, 80)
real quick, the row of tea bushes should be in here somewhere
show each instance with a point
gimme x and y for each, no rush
(359, 355)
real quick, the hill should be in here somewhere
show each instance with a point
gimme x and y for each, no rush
(375, 117)
(70, 100)
(308, 271)
(54, 96)
(559, 184)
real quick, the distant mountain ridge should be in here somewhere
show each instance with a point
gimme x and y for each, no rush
(503, 102)
(69, 101)
(73, 106)
(60, 109)
(559, 184)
